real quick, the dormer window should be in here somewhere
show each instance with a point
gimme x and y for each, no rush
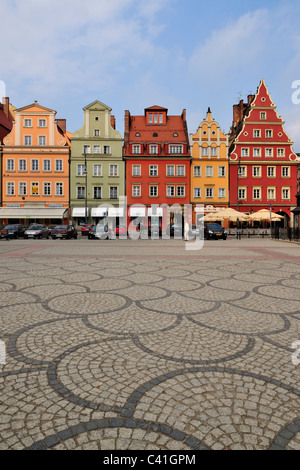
(136, 149)
(153, 149)
(175, 149)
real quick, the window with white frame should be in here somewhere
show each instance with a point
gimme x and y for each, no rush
(96, 132)
(271, 172)
(153, 191)
(221, 193)
(263, 115)
(286, 193)
(271, 193)
(170, 191)
(197, 192)
(245, 152)
(180, 191)
(81, 169)
(34, 188)
(170, 170)
(23, 188)
(180, 170)
(269, 133)
(242, 171)
(27, 140)
(42, 123)
(136, 191)
(256, 193)
(10, 164)
(96, 149)
(285, 171)
(136, 170)
(221, 171)
(204, 151)
(209, 171)
(59, 189)
(242, 192)
(11, 188)
(280, 152)
(153, 170)
(22, 164)
(136, 149)
(256, 171)
(80, 192)
(113, 192)
(97, 170)
(256, 152)
(197, 170)
(213, 151)
(42, 140)
(209, 193)
(97, 192)
(34, 165)
(58, 165)
(269, 152)
(113, 170)
(47, 165)
(27, 123)
(256, 133)
(175, 149)
(86, 149)
(153, 149)
(106, 149)
(47, 189)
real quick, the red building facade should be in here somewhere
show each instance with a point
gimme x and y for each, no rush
(263, 165)
(157, 156)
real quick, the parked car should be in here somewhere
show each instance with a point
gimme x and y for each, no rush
(99, 231)
(175, 230)
(64, 231)
(37, 231)
(3, 232)
(214, 231)
(51, 228)
(15, 230)
(86, 228)
(121, 230)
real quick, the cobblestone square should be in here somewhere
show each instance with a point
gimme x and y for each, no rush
(125, 345)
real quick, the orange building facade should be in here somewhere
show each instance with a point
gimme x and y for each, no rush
(210, 167)
(35, 168)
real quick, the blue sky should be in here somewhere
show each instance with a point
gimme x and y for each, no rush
(131, 54)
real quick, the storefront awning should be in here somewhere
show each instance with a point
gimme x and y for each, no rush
(155, 211)
(137, 211)
(99, 212)
(115, 212)
(79, 212)
(33, 213)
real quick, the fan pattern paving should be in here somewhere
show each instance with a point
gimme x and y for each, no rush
(149, 354)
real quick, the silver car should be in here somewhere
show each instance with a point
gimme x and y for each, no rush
(37, 231)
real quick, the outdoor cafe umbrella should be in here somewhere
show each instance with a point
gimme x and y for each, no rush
(265, 215)
(228, 213)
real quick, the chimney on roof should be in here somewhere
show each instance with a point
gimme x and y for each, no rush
(238, 111)
(113, 122)
(126, 127)
(5, 103)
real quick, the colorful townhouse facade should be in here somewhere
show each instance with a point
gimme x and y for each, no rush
(97, 169)
(157, 158)
(35, 168)
(6, 123)
(263, 165)
(209, 167)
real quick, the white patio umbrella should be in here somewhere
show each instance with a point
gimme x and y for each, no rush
(264, 214)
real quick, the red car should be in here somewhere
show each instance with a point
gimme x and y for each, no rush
(121, 230)
(86, 228)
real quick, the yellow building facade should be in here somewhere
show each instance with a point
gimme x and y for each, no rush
(209, 167)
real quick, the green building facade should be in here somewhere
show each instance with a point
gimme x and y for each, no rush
(97, 169)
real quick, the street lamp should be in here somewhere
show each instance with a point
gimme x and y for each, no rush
(85, 171)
